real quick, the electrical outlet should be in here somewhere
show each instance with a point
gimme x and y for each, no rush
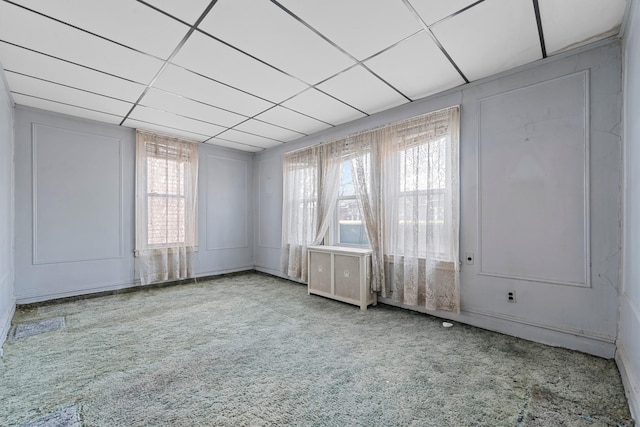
(468, 258)
(511, 296)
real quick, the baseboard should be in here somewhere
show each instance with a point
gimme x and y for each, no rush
(630, 380)
(5, 323)
(554, 336)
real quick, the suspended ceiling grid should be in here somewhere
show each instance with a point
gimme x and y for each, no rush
(253, 74)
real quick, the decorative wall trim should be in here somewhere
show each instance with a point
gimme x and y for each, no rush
(246, 204)
(5, 323)
(259, 192)
(629, 380)
(34, 184)
(585, 75)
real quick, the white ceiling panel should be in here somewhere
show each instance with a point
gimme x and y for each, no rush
(124, 21)
(294, 48)
(186, 107)
(43, 89)
(178, 133)
(317, 104)
(44, 67)
(64, 42)
(569, 23)
(292, 120)
(182, 82)
(216, 60)
(187, 10)
(431, 11)
(362, 90)
(70, 110)
(247, 138)
(234, 145)
(417, 67)
(163, 118)
(491, 37)
(355, 25)
(270, 131)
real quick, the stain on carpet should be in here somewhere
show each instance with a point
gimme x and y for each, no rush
(547, 408)
(65, 417)
(23, 330)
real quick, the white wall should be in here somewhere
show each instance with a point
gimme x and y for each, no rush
(575, 308)
(628, 354)
(75, 207)
(7, 299)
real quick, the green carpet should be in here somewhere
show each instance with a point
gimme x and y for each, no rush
(254, 350)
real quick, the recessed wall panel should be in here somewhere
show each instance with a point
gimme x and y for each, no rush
(270, 203)
(226, 203)
(533, 186)
(77, 186)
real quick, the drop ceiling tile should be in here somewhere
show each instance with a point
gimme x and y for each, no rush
(187, 10)
(44, 67)
(40, 88)
(177, 133)
(182, 82)
(293, 48)
(234, 145)
(59, 40)
(214, 59)
(491, 37)
(163, 118)
(292, 120)
(269, 131)
(570, 23)
(186, 107)
(124, 21)
(354, 25)
(323, 107)
(70, 110)
(431, 11)
(362, 90)
(416, 67)
(247, 138)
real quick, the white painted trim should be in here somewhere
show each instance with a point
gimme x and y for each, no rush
(586, 80)
(31, 298)
(629, 380)
(224, 271)
(598, 345)
(5, 323)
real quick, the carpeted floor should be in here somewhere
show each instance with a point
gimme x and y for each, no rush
(253, 350)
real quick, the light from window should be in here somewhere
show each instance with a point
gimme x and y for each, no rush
(350, 230)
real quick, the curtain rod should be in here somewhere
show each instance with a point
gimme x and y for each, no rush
(375, 128)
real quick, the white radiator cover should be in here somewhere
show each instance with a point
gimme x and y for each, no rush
(341, 273)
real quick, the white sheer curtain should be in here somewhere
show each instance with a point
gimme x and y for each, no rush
(166, 207)
(420, 173)
(310, 190)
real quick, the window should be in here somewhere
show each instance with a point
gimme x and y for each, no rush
(349, 228)
(166, 207)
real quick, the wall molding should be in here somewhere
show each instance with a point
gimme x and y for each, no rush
(595, 344)
(629, 380)
(246, 204)
(5, 323)
(585, 75)
(34, 196)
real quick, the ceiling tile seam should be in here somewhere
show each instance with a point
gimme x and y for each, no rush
(248, 133)
(67, 86)
(65, 103)
(280, 126)
(168, 127)
(543, 47)
(335, 45)
(236, 142)
(446, 18)
(85, 31)
(434, 38)
(182, 115)
(173, 53)
(167, 14)
(198, 101)
(303, 114)
(72, 63)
